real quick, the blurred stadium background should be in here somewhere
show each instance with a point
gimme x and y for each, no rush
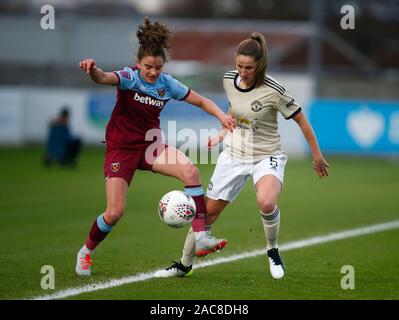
(346, 80)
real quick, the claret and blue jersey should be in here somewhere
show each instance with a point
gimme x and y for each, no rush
(165, 88)
(138, 107)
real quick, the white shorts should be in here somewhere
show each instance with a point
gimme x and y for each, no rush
(230, 176)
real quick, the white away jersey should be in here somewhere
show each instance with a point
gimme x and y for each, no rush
(255, 110)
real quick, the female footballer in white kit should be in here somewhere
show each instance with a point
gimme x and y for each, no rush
(252, 149)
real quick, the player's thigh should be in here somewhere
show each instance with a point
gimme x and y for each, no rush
(174, 163)
(228, 179)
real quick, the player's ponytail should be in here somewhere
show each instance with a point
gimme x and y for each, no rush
(255, 47)
(153, 39)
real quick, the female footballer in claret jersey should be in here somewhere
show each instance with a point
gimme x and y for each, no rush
(252, 149)
(133, 137)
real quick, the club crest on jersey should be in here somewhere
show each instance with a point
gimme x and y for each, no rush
(256, 106)
(161, 92)
(115, 166)
(289, 104)
(125, 74)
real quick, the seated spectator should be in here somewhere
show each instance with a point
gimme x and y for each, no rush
(61, 148)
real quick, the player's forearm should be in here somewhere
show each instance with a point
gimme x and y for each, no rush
(210, 107)
(308, 133)
(311, 139)
(222, 133)
(97, 75)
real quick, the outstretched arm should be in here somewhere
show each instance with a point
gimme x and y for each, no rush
(98, 75)
(218, 138)
(320, 165)
(210, 107)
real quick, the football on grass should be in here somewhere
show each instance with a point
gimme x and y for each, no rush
(176, 209)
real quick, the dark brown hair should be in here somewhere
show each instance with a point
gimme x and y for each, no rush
(255, 47)
(153, 39)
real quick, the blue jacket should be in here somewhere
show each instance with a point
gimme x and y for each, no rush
(58, 139)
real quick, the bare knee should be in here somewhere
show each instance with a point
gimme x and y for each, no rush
(190, 174)
(267, 206)
(113, 214)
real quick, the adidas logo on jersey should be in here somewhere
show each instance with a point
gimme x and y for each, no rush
(148, 100)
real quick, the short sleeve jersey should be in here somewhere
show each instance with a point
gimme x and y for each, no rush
(256, 110)
(138, 107)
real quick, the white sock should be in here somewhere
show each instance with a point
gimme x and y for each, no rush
(188, 255)
(85, 250)
(271, 225)
(199, 234)
(188, 249)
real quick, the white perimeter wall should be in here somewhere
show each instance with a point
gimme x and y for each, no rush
(25, 113)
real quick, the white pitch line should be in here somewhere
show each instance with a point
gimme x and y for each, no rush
(285, 247)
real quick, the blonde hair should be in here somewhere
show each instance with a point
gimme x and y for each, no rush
(255, 47)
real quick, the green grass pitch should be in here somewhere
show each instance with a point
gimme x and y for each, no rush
(47, 213)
